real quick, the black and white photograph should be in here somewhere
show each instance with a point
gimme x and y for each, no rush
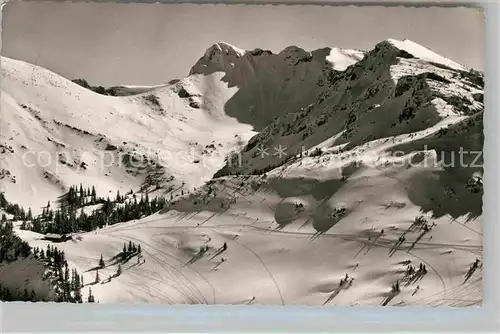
(241, 154)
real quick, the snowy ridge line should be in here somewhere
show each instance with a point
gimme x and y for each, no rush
(424, 53)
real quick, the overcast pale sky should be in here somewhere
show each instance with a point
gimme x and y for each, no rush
(143, 44)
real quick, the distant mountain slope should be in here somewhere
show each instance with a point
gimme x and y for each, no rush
(79, 136)
(387, 93)
(116, 90)
(271, 85)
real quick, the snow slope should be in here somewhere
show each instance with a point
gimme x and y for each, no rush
(343, 58)
(280, 258)
(423, 53)
(67, 134)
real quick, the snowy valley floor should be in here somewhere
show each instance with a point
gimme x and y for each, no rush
(291, 264)
(288, 243)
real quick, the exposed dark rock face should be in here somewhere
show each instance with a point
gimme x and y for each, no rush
(361, 103)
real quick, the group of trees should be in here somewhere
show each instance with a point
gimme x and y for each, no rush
(67, 284)
(126, 254)
(11, 245)
(15, 210)
(7, 295)
(70, 217)
(130, 250)
(78, 196)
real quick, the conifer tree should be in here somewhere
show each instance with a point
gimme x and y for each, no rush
(78, 294)
(66, 273)
(74, 282)
(101, 262)
(33, 296)
(97, 278)
(3, 201)
(139, 248)
(26, 296)
(91, 297)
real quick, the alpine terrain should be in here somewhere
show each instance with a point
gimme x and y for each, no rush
(321, 178)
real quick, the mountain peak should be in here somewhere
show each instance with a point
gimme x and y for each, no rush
(229, 48)
(423, 53)
(219, 57)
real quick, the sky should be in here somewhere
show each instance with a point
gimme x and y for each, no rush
(147, 44)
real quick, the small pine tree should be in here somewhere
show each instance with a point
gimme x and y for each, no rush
(33, 296)
(78, 295)
(3, 201)
(26, 295)
(130, 248)
(119, 270)
(101, 263)
(139, 248)
(91, 298)
(66, 273)
(97, 278)
(93, 194)
(124, 252)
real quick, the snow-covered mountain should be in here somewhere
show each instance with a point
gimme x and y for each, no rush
(62, 134)
(304, 177)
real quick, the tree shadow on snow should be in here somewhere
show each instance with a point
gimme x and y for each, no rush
(449, 191)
